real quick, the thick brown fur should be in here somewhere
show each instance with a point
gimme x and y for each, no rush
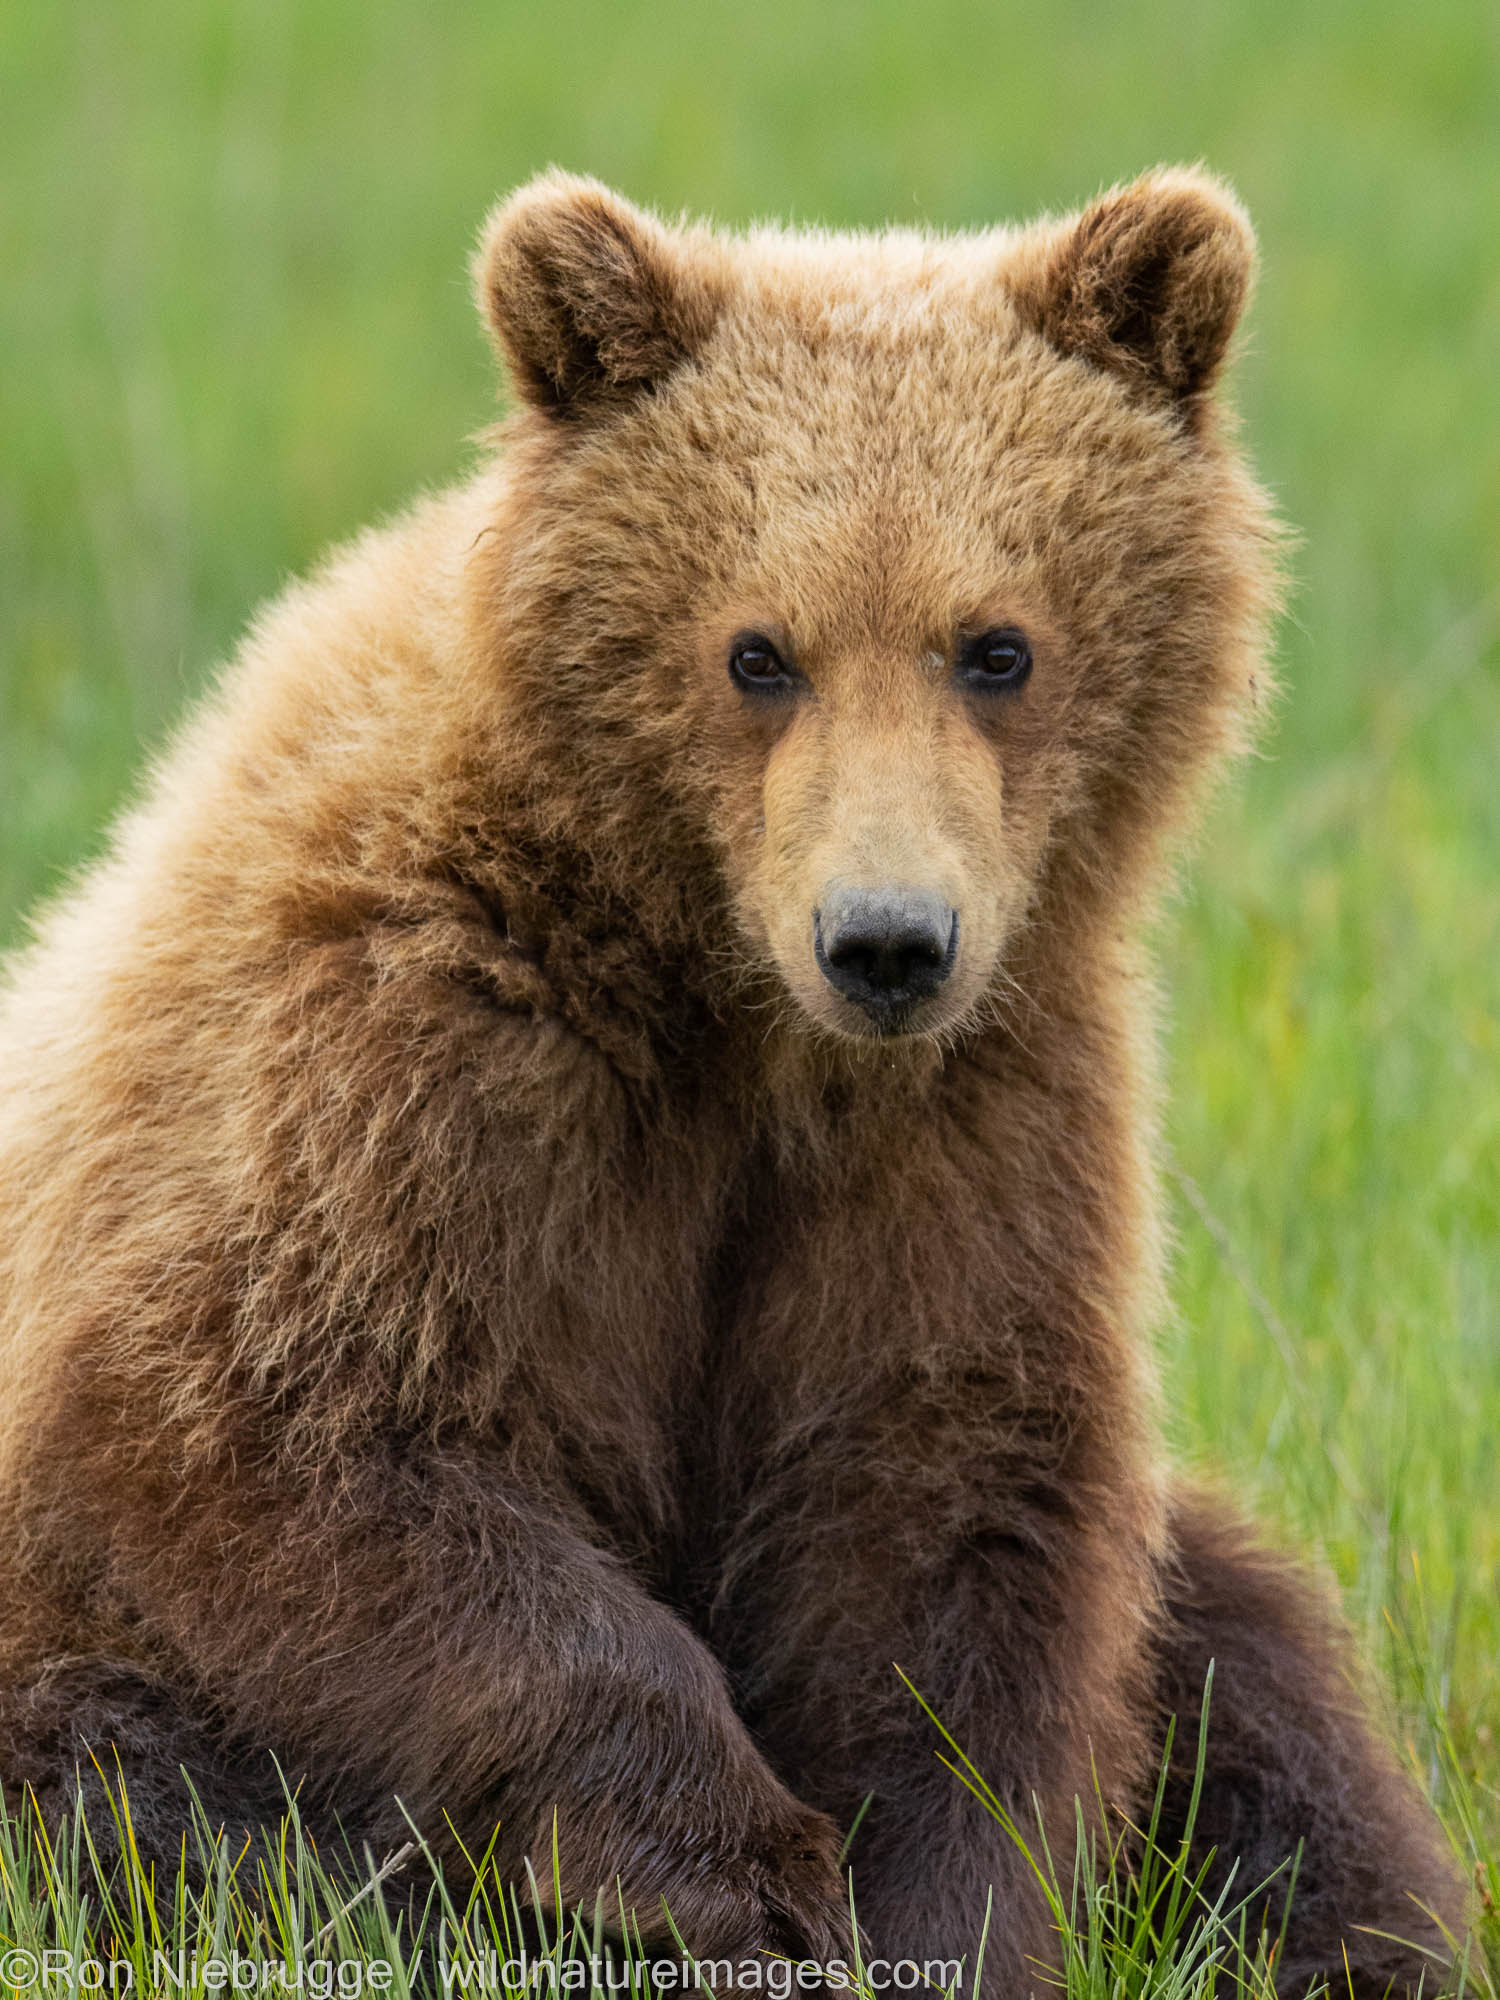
(484, 1318)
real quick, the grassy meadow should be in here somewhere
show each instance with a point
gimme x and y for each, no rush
(235, 325)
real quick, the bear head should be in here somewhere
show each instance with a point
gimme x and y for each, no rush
(906, 585)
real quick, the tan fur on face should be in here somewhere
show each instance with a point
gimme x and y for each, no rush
(881, 783)
(873, 451)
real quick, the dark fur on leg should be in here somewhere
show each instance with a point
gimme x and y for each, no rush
(1292, 1756)
(92, 1728)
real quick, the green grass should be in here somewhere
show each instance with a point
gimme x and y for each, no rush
(235, 325)
(1131, 1918)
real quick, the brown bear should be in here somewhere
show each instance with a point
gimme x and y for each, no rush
(579, 1181)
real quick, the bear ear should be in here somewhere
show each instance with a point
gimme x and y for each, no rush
(1147, 283)
(589, 301)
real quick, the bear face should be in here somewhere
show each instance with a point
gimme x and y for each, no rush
(929, 550)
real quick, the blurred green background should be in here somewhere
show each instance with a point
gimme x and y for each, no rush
(235, 324)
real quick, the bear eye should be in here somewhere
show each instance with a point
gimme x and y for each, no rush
(756, 666)
(999, 660)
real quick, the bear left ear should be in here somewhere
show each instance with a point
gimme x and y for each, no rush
(589, 301)
(1147, 283)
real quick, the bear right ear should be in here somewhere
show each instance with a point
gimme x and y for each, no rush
(1148, 284)
(589, 301)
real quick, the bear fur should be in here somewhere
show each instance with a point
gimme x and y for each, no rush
(488, 1316)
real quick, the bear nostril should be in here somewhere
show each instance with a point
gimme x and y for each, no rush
(889, 963)
(885, 949)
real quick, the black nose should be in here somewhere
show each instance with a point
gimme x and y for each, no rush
(885, 949)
